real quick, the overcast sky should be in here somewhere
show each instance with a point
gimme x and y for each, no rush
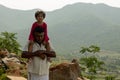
(49, 5)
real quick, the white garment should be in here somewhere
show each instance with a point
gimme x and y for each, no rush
(33, 76)
(37, 66)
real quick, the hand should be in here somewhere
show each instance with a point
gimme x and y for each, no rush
(42, 56)
(39, 52)
(44, 42)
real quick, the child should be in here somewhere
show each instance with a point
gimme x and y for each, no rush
(39, 15)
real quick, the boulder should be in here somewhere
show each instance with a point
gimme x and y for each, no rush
(66, 71)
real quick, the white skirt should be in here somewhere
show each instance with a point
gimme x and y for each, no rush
(32, 76)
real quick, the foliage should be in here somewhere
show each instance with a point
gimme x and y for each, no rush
(2, 74)
(91, 63)
(110, 77)
(1, 71)
(9, 41)
(4, 77)
(91, 77)
(92, 49)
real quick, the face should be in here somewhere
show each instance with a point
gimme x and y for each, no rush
(40, 18)
(39, 37)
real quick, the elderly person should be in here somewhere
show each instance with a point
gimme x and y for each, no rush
(38, 65)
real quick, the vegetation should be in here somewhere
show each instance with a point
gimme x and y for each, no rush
(104, 64)
(2, 74)
(91, 63)
(99, 66)
(9, 41)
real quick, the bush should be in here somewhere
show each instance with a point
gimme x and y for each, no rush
(1, 71)
(4, 77)
(91, 77)
(110, 77)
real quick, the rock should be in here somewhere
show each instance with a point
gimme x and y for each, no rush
(3, 53)
(16, 78)
(10, 55)
(12, 59)
(13, 64)
(65, 71)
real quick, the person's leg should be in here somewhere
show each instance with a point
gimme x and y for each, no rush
(29, 76)
(30, 46)
(47, 46)
(44, 77)
(39, 77)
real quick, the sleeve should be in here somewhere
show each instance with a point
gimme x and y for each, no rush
(31, 35)
(51, 46)
(46, 33)
(26, 47)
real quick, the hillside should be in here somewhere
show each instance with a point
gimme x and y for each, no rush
(71, 27)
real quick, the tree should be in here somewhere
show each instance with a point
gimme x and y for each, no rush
(9, 41)
(91, 62)
(91, 49)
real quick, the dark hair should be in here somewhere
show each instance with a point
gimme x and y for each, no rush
(40, 12)
(38, 29)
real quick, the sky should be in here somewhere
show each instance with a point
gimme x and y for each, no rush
(50, 5)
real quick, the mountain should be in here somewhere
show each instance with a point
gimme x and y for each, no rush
(71, 27)
(14, 19)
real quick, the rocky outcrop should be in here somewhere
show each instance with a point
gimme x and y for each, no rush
(66, 71)
(11, 63)
(63, 71)
(16, 78)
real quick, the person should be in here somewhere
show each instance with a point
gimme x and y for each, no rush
(39, 16)
(38, 68)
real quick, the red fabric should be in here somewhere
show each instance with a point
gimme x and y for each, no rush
(44, 26)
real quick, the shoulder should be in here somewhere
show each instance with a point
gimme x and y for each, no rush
(44, 24)
(34, 24)
(25, 48)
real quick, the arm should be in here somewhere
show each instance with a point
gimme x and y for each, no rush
(50, 53)
(26, 54)
(44, 52)
(31, 35)
(39, 53)
(46, 33)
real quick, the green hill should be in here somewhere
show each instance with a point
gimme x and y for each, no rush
(71, 27)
